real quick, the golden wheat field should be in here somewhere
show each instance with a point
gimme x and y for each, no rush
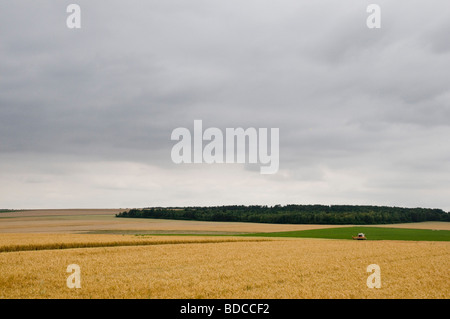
(36, 248)
(276, 268)
(26, 242)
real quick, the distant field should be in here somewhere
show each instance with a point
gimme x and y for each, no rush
(372, 233)
(104, 221)
(420, 225)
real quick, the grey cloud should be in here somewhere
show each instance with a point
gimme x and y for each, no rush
(346, 98)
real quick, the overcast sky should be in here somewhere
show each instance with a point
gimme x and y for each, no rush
(86, 114)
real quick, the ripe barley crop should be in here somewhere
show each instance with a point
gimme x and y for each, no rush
(24, 242)
(281, 268)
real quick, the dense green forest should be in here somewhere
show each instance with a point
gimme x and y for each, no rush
(294, 214)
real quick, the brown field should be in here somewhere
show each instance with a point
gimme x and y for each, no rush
(37, 246)
(104, 220)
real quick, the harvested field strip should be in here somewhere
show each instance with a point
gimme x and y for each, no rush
(163, 232)
(69, 245)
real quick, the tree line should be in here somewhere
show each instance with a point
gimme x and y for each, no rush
(294, 214)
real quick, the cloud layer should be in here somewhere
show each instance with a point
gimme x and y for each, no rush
(86, 115)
